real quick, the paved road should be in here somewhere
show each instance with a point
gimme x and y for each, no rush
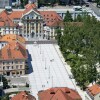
(95, 9)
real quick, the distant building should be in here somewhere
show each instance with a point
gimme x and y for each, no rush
(93, 93)
(62, 93)
(23, 96)
(16, 2)
(32, 1)
(4, 3)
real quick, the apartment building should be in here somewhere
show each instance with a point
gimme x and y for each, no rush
(13, 58)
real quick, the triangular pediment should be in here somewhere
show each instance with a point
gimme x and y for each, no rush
(32, 13)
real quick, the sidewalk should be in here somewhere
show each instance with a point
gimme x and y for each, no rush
(68, 69)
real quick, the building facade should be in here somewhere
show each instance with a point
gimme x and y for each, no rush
(13, 57)
(27, 22)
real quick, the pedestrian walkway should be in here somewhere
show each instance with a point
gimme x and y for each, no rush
(68, 69)
(48, 69)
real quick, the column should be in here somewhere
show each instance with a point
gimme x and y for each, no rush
(35, 29)
(29, 29)
(50, 33)
(42, 29)
(38, 29)
(53, 32)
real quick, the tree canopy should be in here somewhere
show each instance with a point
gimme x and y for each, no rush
(68, 17)
(80, 46)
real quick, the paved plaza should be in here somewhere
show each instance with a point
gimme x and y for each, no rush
(46, 68)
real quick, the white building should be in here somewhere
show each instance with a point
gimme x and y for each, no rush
(74, 11)
(27, 22)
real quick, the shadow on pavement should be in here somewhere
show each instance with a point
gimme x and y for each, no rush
(29, 63)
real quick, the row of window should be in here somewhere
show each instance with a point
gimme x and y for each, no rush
(15, 62)
(12, 67)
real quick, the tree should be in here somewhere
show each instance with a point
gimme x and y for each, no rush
(5, 97)
(5, 82)
(58, 36)
(80, 46)
(79, 18)
(68, 17)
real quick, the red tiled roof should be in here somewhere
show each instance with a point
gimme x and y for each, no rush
(2, 23)
(13, 50)
(94, 90)
(5, 19)
(50, 17)
(29, 7)
(12, 37)
(59, 94)
(16, 14)
(23, 96)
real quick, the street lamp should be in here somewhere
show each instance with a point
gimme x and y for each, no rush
(49, 72)
(52, 81)
(45, 63)
(49, 67)
(40, 48)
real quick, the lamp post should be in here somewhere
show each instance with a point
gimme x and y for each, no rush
(40, 48)
(49, 72)
(49, 66)
(45, 64)
(52, 81)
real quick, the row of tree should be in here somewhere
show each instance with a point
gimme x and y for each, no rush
(23, 3)
(60, 2)
(80, 46)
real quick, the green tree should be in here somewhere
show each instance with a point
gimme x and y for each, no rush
(5, 82)
(68, 17)
(80, 46)
(79, 18)
(58, 36)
